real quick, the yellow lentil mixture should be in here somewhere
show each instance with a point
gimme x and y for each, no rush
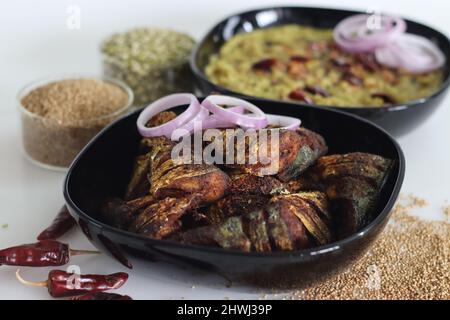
(303, 64)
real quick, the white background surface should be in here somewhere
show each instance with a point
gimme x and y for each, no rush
(35, 42)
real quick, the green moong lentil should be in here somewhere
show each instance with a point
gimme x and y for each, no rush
(152, 61)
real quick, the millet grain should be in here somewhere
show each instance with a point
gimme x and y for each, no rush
(411, 260)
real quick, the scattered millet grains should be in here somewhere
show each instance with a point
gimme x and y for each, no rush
(446, 211)
(64, 115)
(410, 261)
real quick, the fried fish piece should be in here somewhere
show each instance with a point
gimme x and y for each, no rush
(120, 214)
(139, 183)
(353, 184)
(207, 181)
(298, 154)
(163, 218)
(297, 151)
(245, 194)
(169, 178)
(229, 235)
(311, 208)
(286, 223)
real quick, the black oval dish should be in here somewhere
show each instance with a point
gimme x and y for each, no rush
(103, 168)
(397, 119)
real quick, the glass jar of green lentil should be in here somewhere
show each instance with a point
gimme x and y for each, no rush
(152, 61)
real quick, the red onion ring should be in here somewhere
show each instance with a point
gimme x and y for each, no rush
(164, 104)
(215, 122)
(207, 122)
(353, 35)
(257, 120)
(284, 122)
(412, 52)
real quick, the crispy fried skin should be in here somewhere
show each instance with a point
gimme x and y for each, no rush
(250, 208)
(139, 183)
(234, 205)
(297, 152)
(286, 223)
(121, 214)
(311, 209)
(162, 218)
(228, 235)
(371, 167)
(257, 231)
(251, 184)
(209, 182)
(116, 213)
(352, 182)
(285, 230)
(245, 194)
(170, 179)
(161, 118)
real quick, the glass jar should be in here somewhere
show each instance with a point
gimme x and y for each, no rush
(154, 83)
(54, 144)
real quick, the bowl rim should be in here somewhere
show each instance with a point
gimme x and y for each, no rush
(43, 81)
(200, 74)
(382, 217)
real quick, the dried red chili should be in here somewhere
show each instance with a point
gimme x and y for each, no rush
(45, 253)
(103, 296)
(62, 223)
(64, 284)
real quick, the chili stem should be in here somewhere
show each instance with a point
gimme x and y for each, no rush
(30, 283)
(82, 252)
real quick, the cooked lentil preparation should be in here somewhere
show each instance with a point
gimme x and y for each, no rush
(303, 64)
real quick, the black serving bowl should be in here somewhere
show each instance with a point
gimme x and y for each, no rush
(397, 119)
(103, 169)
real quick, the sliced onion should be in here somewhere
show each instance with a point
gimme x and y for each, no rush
(215, 122)
(353, 34)
(206, 122)
(413, 53)
(189, 126)
(256, 120)
(164, 104)
(283, 122)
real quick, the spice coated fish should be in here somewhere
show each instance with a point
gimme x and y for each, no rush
(286, 223)
(352, 183)
(312, 200)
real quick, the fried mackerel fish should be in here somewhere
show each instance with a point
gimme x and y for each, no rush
(172, 190)
(313, 199)
(298, 150)
(286, 223)
(352, 183)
